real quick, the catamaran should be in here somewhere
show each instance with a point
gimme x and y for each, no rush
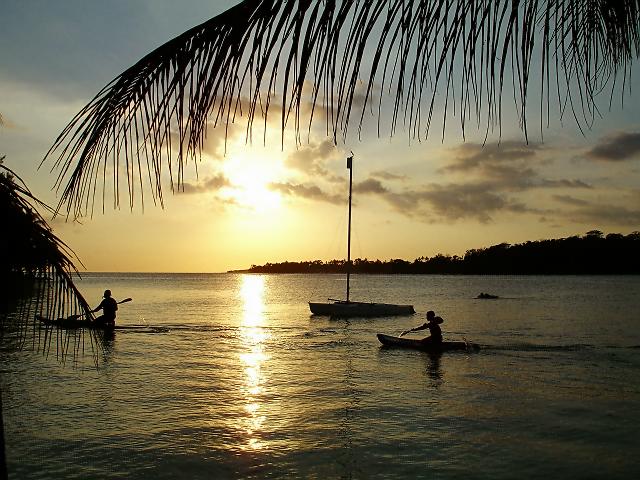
(349, 308)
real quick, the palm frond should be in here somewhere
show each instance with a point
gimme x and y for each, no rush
(36, 269)
(402, 59)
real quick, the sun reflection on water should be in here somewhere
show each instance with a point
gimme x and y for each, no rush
(253, 336)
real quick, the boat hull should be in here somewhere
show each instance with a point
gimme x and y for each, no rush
(72, 323)
(390, 341)
(360, 309)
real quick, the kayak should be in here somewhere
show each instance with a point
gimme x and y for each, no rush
(72, 323)
(389, 341)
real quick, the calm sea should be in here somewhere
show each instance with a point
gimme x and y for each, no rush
(243, 383)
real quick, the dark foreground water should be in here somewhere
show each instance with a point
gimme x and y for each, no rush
(243, 383)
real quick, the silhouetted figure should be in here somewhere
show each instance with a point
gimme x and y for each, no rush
(108, 307)
(433, 324)
(487, 296)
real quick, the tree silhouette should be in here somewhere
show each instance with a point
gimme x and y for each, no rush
(613, 254)
(342, 61)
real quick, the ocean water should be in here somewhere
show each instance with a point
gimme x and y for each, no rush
(241, 382)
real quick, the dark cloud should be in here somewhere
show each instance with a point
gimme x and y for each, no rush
(452, 202)
(507, 166)
(470, 156)
(600, 214)
(312, 192)
(388, 176)
(564, 183)
(615, 148)
(431, 203)
(212, 184)
(369, 186)
(606, 215)
(478, 201)
(569, 200)
(500, 171)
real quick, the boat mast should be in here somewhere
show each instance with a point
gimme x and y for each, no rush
(349, 166)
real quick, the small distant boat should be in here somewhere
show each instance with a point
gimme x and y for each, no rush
(390, 341)
(487, 296)
(348, 308)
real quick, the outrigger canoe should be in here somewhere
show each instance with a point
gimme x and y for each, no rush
(76, 323)
(390, 341)
(72, 323)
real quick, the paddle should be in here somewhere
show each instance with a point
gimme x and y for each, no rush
(77, 316)
(411, 330)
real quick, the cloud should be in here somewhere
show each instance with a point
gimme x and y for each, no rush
(563, 183)
(227, 202)
(312, 158)
(618, 147)
(507, 166)
(480, 199)
(493, 175)
(471, 156)
(388, 176)
(312, 192)
(606, 214)
(600, 214)
(451, 202)
(212, 184)
(369, 186)
(569, 200)
(217, 138)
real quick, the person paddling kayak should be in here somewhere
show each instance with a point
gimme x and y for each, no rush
(108, 307)
(433, 324)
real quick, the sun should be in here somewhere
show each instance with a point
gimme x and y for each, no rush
(249, 176)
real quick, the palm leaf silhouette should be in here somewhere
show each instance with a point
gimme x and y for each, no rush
(37, 269)
(338, 57)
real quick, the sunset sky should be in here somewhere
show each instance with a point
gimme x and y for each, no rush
(256, 203)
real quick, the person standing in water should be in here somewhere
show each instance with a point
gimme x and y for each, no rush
(433, 324)
(108, 307)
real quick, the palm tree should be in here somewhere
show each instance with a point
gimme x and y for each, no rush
(36, 271)
(341, 58)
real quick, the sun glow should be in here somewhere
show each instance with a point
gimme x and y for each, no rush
(250, 176)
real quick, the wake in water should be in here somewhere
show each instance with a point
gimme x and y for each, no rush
(529, 347)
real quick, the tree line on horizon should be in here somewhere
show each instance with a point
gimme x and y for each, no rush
(593, 253)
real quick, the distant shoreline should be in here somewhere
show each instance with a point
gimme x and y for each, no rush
(568, 274)
(591, 254)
